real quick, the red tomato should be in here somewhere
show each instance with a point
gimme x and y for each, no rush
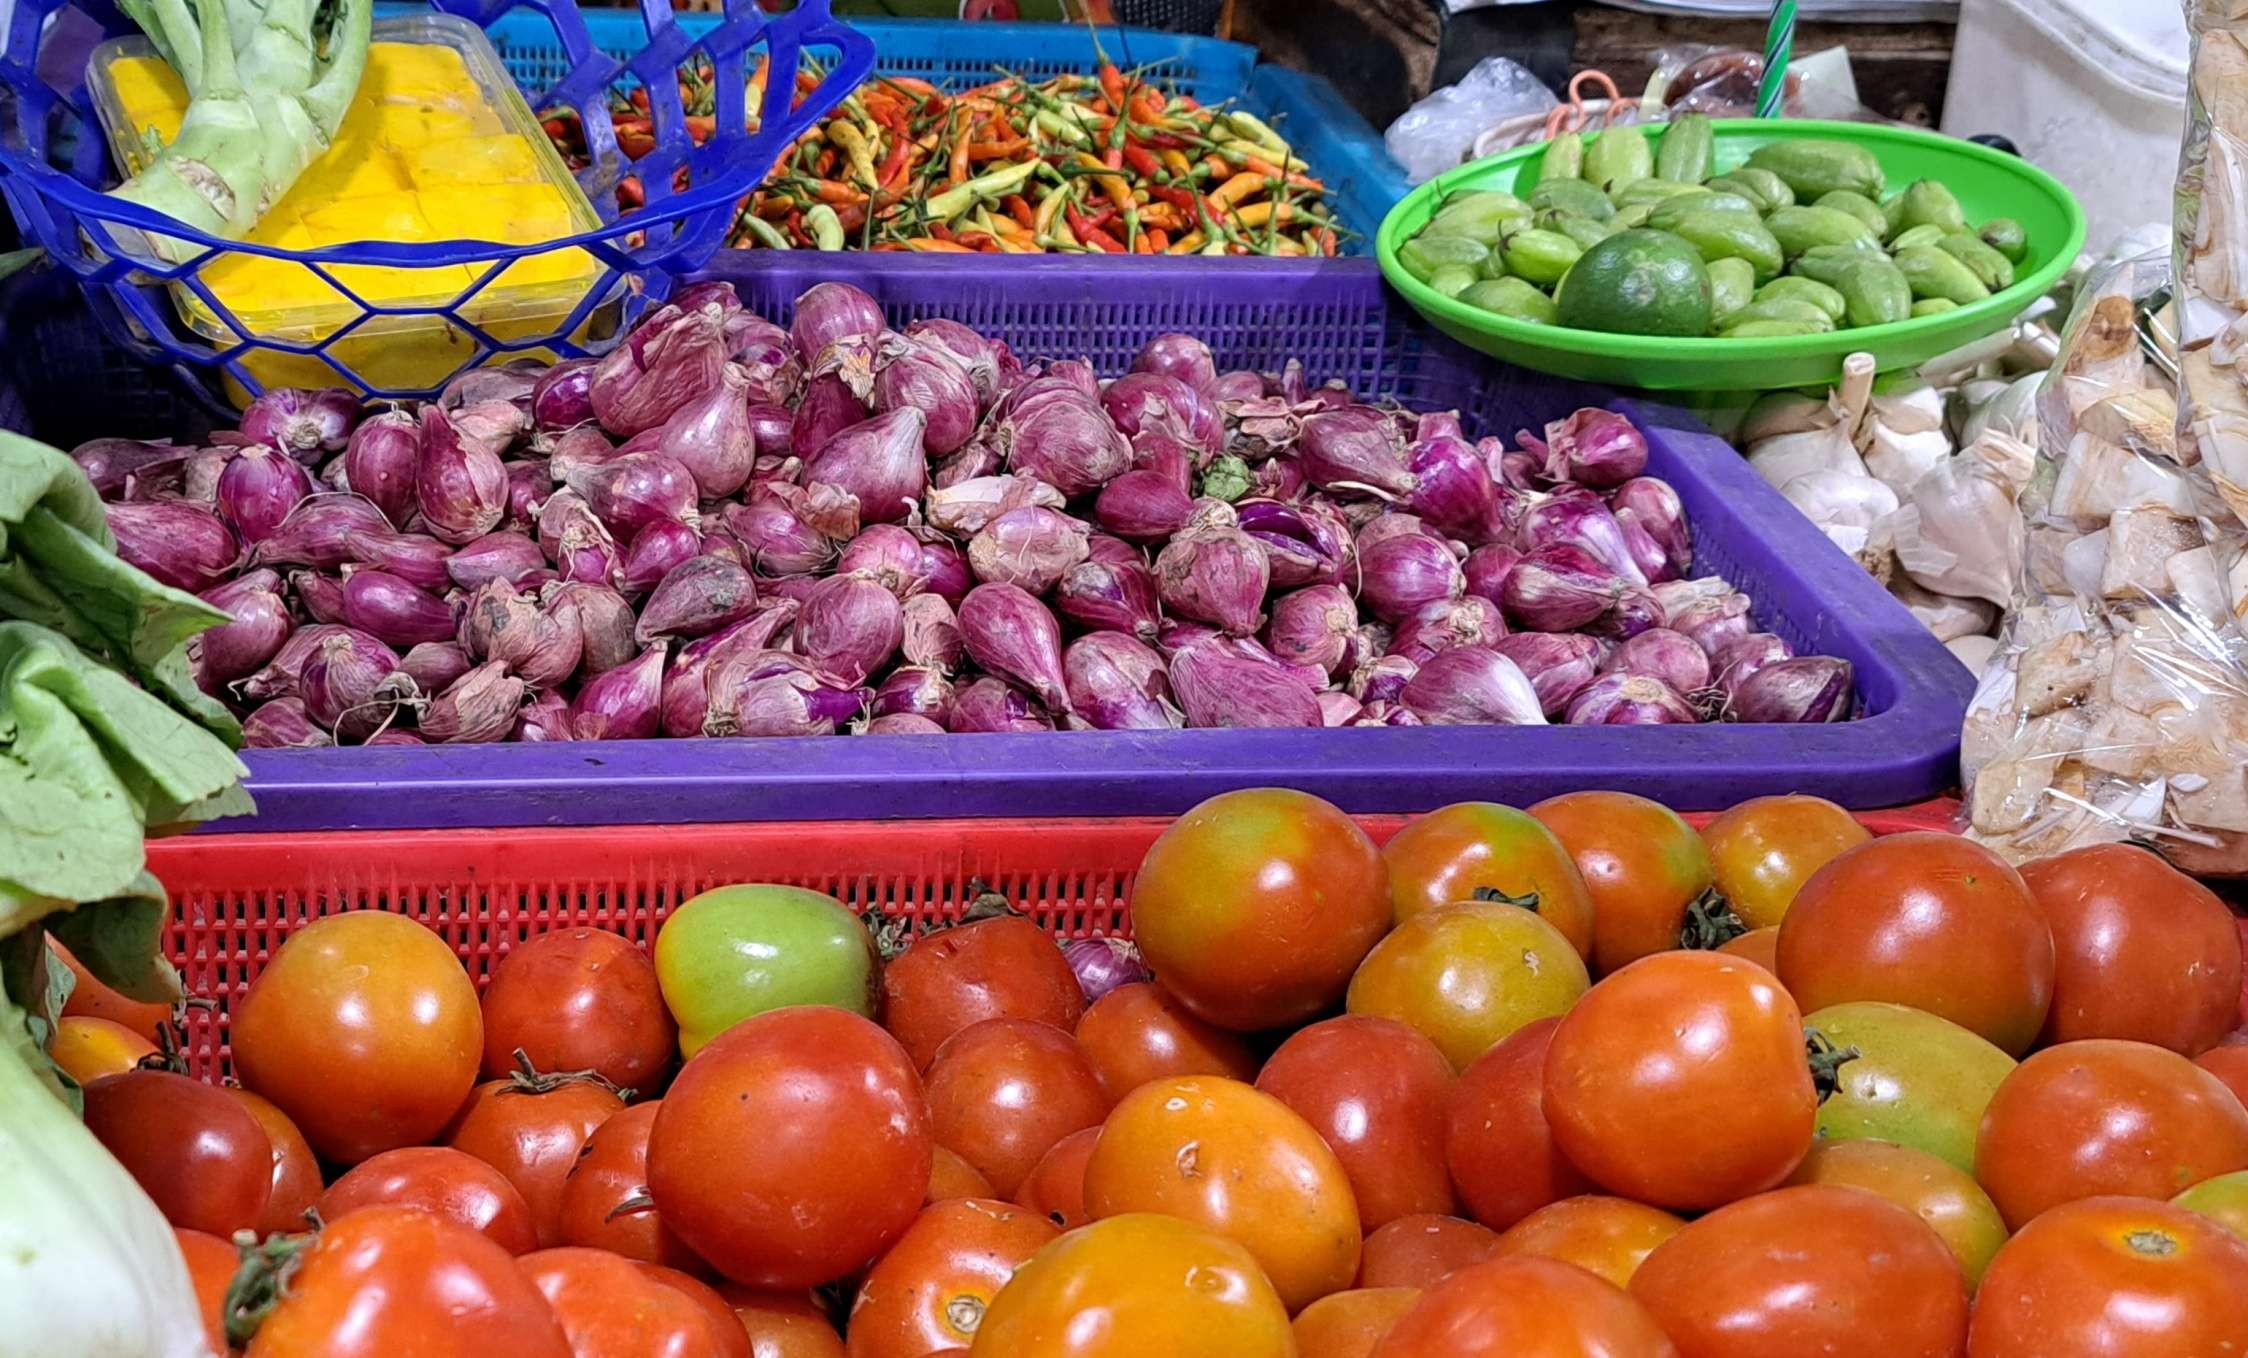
(955, 977)
(90, 1049)
(1807, 1270)
(2229, 1064)
(1375, 1091)
(1255, 907)
(2114, 1278)
(605, 1202)
(1421, 1251)
(1761, 946)
(1928, 1186)
(1642, 867)
(1137, 1033)
(211, 1264)
(1497, 1141)
(1526, 1307)
(531, 1128)
(931, 1290)
(1350, 1324)
(611, 1307)
(1607, 1237)
(1930, 921)
(578, 999)
(952, 1177)
(1763, 851)
(1681, 1081)
(452, 1184)
(1223, 1156)
(296, 1171)
(2142, 951)
(2098, 1119)
(1469, 975)
(792, 1148)
(388, 1281)
(1482, 850)
(1055, 1190)
(197, 1153)
(364, 1030)
(783, 1325)
(1003, 1091)
(91, 998)
(723, 1320)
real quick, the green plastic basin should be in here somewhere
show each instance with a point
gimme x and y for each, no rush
(1988, 184)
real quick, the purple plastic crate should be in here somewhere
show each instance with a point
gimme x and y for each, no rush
(1337, 317)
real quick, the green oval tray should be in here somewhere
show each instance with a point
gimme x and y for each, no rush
(1988, 183)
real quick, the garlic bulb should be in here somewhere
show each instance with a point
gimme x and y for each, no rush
(1959, 532)
(1949, 618)
(1851, 509)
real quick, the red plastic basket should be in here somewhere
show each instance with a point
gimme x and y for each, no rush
(237, 898)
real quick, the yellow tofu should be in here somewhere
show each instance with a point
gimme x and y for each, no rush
(351, 169)
(405, 128)
(518, 214)
(283, 229)
(252, 287)
(501, 159)
(419, 73)
(147, 86)
(393, 217)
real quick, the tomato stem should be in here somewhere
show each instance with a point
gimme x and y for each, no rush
(262, 1282)
(1710, 923)
(1827, 1061)
(1528, 901)
(527, 1078)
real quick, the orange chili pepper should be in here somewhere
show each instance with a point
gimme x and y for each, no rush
(1157, 240)
(998, 150)
(635, 144)
(920, 89)
(1019, 208)
(829, 191)
(701, 128)
(1112, 84)
(959, 164)
(983, 241)
(929, 243)
(629, 194)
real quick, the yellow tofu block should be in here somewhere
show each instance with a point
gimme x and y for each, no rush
(283, 229)
(253, 288)
(350, 169)
(147, 86)
(393, 217)
(518, 214)
(419, 73)
(407, 127)
(501, 159)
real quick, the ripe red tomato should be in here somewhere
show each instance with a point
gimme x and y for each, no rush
(197, 1153)
(1642, 867)
(531, 1128)
(611, 1307)
(1681, 1081)
(2099, 1118)
(783, 1325)
(1763, 851)
(1255, 907)
(1497, 1141)
(1607, 1237)
(1223, 1156)
(387, 1281)
(578, 999)
(296, 1171)
(449, 1183)
(2142, 951)
(90, 997)
(364, 1029)
(1003, 1091)
(90, 1049)
(1055, 1190)
(953, 978)
(1375, 1091)
(1526, 1307)
(1137, 1033)
(1761, 946)
(952, 1177)
(1812, 1269)
(1926, 1185)
(1350, 1324)
(792, 1148)
(1931, 921)
(931, 1290)
(211, 1263)
(2113, 1278)
(1468, 975)
(1457, 852)
(605, 1202)
(1421, 1251)
(2229, 1064)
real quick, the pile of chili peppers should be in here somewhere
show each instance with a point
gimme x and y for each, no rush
(1112, 163)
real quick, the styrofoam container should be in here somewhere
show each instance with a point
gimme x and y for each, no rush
(2092, 90)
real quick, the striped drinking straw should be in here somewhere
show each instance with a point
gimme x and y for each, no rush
(1779, 44)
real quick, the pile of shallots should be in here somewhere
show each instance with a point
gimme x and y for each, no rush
(726, 528)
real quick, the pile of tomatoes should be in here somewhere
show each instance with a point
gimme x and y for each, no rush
(1571, 1081)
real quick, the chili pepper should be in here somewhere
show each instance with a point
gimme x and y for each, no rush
(765, 232)
(1142, 161)
(998, 150)
(853, 142)
(1236, 188)
(829, 191)
(893, 165)
(997, 184)
(933, 244)
(702, 129)
(629, 193)
(1112, 83)
(959, 158)
(1101, 240)
(920, 89)
(639, 97)
(826, 228)
(1158, 240)
(1020, 210)
(795, 224)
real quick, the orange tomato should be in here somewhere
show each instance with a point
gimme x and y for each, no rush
(442, 1182)
(296, 1171)
(1761, 946)
(1350, 1324)
(1456, 852)
(211, 1265)
(2114, 1278)
(1928, 1186)
(90, 998)
(1763, 851)
(952, 1177)
(783, 1324)
(1055, 1189)
(1421, 1251)
(1526, 1307)
(1468, 976)
(89, 1049)
(1138, 1032)
(1642, 865)
(931, 1289)
(1607, 1237)
(2229, 1064)
(612, 1307)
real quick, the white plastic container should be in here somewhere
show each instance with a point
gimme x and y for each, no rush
(2093, 91)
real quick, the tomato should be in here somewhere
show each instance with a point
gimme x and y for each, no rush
(1761, 946)
(1255, 907)
(952, 1177)
(1927, 920)
(296, 1171)
(1003, 1091)
(1642, 868)
(793, 1149)
(388, 1281)
(1607, 1237)
(1916, 1080)
(1350, 1324)
(2223, 1200)
(2114, 1278)
(1763, 851)
(931, 1290)
(1497, 1141)
(1055, 1190)
(611, 1307)
(991, 968)
(197, 1153)
(1375, 1091)
(719, 1311)
(531, 1129)
(90, 997)
(1138, 1032)
(2100, 1118)
(449, 1183)
(1807, 1270)
(364, 1029)
(1526, 1307)
(2142, 951)
(783, 1325)
(1134, 1286)
(2229, 1064)
(1945, 1197)
(578, 999)
(89, 1049)
(1681, 1081)
(739, 951)
(1485, 851)
(1468, 975)
(1220, 1154)
(1421, 1251)
(605, 1201)
(211, 1263)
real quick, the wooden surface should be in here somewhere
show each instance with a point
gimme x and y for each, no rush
(1900, 68)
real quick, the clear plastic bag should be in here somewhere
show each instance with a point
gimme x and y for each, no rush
(1437, 133)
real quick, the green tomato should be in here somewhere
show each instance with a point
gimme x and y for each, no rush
(2223, 1200)
(1917, 1080)
(737, 951)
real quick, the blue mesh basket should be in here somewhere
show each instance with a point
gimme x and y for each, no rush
(55, 166)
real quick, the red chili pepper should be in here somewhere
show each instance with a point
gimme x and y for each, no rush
(1113, 157)
(1142, 161)
(794, 222)
(940, 231)
(1101, 240)
(639, 97)
(1020, 209)
(1158, 240)
(1185, 200)
(628, 193)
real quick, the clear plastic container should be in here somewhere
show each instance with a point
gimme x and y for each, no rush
(438, 145)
